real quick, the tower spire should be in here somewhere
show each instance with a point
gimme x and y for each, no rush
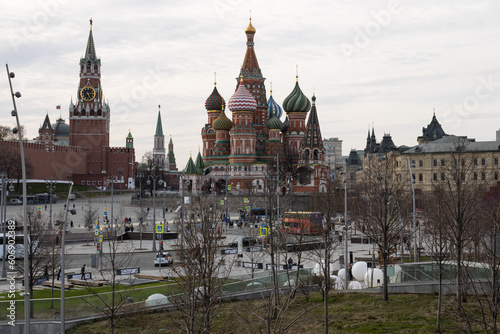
(159, 128)
(90, 50)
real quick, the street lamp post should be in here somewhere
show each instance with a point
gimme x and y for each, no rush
(120, 170)
(50, 188)
(346, 226)
(73, 211)
(140, 175)
(111, 180)
(414, 218)
(182, 212)
(19, 131)
(154, 177)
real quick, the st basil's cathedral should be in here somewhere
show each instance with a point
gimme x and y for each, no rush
(242, 152)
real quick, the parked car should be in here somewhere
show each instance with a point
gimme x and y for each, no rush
(72, 197)
(15, 201)
(247, 241)
(163, 259)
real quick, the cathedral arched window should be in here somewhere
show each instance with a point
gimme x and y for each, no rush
(315, 155)
(89, 65)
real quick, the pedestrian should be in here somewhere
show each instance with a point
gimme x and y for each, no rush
(64, 206)
(46, 272)
(82, 207)
(71, 224)
(168, 228)
(59, 273)
(57, 240)
(83, 272)
(73, 205)
(45, 207)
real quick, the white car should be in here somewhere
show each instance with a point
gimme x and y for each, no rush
(16, 201)
(72, 197)
(163, 259)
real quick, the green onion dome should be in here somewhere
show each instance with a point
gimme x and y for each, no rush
(274, 123)
(222, 122)
(296, 101)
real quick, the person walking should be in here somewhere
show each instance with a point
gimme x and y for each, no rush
(59, 273)
(83, 272)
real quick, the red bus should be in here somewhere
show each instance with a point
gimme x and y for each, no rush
(302, 222)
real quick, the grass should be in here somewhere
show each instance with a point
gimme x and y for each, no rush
(79, 301)
(348, 313)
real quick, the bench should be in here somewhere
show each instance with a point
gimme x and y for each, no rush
(151, 277)
(57, 285)
(84, 282)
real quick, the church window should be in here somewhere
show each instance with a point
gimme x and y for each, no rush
(316, 156)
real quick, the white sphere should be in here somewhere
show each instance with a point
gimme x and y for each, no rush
(378, 278)
(337, 283)
(359, 270)
(341, 274)
(355, 285)
(157, 299)
(319, 268)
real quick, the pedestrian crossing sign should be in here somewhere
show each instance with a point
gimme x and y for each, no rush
(159, 228)
(263, 231)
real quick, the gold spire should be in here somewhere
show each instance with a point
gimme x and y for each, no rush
(271, 92)
(159, 107)
(250, 29)
(297, 73)
(90, 23)
(215, 79)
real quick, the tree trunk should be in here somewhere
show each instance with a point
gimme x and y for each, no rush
(440, 287)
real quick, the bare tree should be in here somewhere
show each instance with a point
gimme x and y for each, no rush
(114, 256)
(329, 204)
(39, 249)
(458, 192)
(203, 271)
(439, 245)
(89, 219)
(382, 209)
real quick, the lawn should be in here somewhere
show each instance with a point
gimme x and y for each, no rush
(348, 313)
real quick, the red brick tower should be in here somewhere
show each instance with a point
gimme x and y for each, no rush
(89, 118)
(254, 82)
(243, 134)
(214, 105)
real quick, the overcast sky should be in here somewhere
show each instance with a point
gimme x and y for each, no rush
(389, 63)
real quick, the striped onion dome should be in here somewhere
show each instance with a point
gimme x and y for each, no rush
(214, 101)
(242, 100)
(296, 101)
(222, 122)
(274, 123)
(285, 126)
(274, 107)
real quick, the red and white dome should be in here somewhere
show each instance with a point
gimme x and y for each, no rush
(242, 100)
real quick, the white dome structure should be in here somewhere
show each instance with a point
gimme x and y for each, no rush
(319, 267)
(378, 278)
(359, 270)
(341, 274)
(355, 285)
(337, 283)
(157, 299)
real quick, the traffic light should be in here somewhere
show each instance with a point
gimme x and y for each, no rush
(98, 247)
(161, 245)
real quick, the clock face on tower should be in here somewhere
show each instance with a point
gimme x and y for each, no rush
(87, 93)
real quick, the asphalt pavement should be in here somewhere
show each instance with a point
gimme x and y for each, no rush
(80, 252)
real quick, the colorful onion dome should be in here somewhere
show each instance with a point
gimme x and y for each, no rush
(285, 126)
(242, 100)
(250, 29)
(274, 107)
(222, 122)
(296, 101)
(274, 123)
(214, 101)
